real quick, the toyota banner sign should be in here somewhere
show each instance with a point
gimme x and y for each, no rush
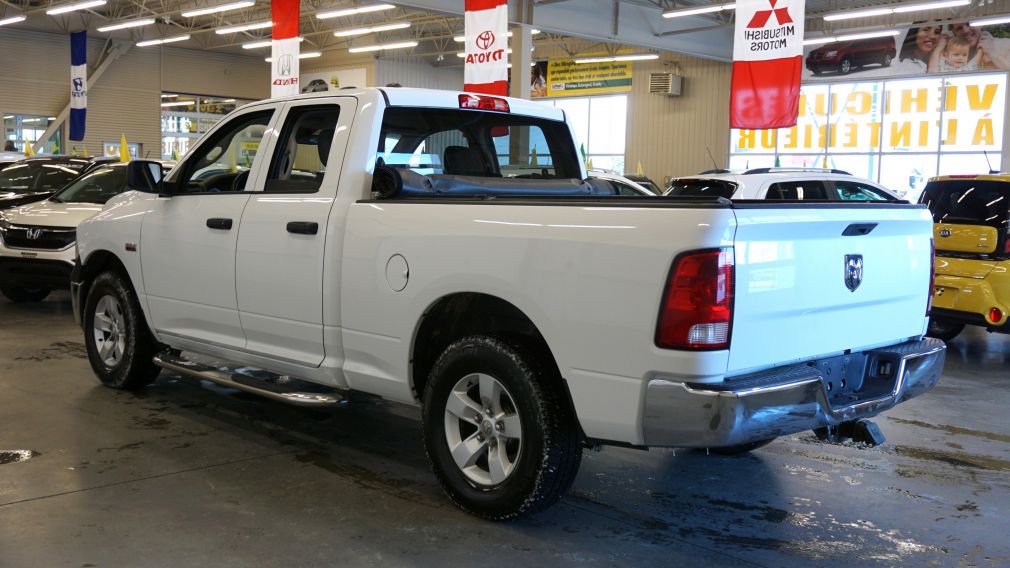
(485, 68)
(767, 63)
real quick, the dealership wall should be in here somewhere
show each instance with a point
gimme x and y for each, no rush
(126, 99)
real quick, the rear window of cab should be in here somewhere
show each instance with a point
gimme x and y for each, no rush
(968, 202)
(695, 187)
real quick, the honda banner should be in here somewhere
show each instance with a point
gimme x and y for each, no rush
(767, 61)
(284, 50)
(78, 84)
(486, 66)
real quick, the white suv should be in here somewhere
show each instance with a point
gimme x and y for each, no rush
(789, 184)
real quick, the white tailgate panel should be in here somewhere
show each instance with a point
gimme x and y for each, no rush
(791, 300)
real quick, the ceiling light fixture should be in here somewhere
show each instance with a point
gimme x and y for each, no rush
(162, 40)
(243, 28)
(461, 39)
(614, 58)
(219, 8)
(303, 55)
(178, 103)
(13, 20)
(264, 43)
(169, 96)
(74, 7)
(124, 25)
(888, 10)
(383, 46)
(681, 12)
(974, 23)
(849, 37)
(371, 30)
(352, 11)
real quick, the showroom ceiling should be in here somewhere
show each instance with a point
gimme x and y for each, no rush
(575, 26)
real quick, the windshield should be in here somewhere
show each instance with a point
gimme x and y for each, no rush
(97, 186)
(18, 178)
(693, 187)
(968, 202)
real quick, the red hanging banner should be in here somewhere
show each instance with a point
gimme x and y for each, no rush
(485, 69)
(767, 62)
(284, 50)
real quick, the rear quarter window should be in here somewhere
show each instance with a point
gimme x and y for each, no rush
(695, 187)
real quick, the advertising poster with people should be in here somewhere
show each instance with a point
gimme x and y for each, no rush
(924, 49)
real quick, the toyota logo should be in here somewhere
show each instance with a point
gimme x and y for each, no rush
(485, 40)
(33, 233)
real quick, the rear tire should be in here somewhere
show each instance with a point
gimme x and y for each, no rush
(525, 450)
(886, 61)
(20, 294)
(845, 67)
(943, 329)
(120, 347)
(742, 448)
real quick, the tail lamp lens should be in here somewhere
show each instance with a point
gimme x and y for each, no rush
(995, 315)
(932, 276)
(697, 310)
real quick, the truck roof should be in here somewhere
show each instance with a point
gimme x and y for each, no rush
(429, 98)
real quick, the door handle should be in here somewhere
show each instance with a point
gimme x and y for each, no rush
(219, 223)
(858, 229)
(303, 227)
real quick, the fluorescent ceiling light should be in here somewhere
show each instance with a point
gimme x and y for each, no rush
(303, 55)
(13, 20)
(219, 8)
(352, 11)
(263, 43)
(179, 103)
(633, 57)
(162, 40)
(371, 30)
(169, 96)
(681, 12)
(901, 9)
(124, 25)
(974, 23)
(461, 39)
(51, 118)
(243, 28)
(74, 7)
(382, 46)
(849, 37)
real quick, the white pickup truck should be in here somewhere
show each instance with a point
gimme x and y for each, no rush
(441, 249)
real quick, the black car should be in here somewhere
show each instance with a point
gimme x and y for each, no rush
(35, 179)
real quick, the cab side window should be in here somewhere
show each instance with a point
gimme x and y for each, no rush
(222, 163)
(303, 149)
(798, 191)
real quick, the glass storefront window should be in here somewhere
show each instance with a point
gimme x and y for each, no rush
(911, 115)
(600, 124)
(811, 130)
(19, 129)
(184, 118)
(907, 174)
(973, 114)
(855, 122)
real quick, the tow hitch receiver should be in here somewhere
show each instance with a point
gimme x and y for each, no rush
(862, 431)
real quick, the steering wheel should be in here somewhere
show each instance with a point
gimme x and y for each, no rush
(238, 184)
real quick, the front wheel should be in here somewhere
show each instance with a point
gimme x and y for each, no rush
(943, 329)
(120, 347)
(845, 67)
(498, 430)
(21, 294)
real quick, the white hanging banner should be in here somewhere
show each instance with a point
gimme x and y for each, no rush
(485, 69)
(285, 48)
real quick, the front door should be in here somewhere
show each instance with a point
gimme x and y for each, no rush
(188, 239)
(281, 244)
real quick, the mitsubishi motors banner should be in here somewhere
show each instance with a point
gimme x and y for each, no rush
(78, 84)
(767, 61)
(284, 50)
(485, 69)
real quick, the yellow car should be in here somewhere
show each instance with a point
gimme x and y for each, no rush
(972, 283)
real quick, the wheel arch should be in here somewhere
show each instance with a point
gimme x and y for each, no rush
(103, 260)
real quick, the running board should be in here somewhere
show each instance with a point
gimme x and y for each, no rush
(283, 389)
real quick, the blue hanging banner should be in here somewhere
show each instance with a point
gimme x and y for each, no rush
(78, 84)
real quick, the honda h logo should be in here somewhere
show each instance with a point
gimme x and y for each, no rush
(78, 85)
(853, 271)
(33, 233)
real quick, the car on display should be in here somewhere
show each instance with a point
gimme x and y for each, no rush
(843, 57)
(972, 285)
(9, 159)
(391, 241)
(37, 240)
(34, 179)
(802, 184)
(645, 182)
(622, 184)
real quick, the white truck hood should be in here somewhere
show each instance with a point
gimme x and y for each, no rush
(52, 214)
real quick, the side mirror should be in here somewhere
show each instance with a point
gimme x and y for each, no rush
(145, 175)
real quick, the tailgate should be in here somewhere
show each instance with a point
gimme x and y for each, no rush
(799, 292)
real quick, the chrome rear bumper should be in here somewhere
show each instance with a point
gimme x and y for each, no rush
(785, 401)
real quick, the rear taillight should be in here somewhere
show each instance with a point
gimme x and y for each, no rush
(697, 308)
(995, 315)
(932, 276)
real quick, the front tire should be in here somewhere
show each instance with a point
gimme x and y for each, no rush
(845, 67)
(499, 432)
(20, 294)
(120, 347)
(943, 329)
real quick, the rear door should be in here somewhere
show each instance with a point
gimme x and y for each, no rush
(818, 280)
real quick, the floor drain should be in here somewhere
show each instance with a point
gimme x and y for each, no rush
(15, 456)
